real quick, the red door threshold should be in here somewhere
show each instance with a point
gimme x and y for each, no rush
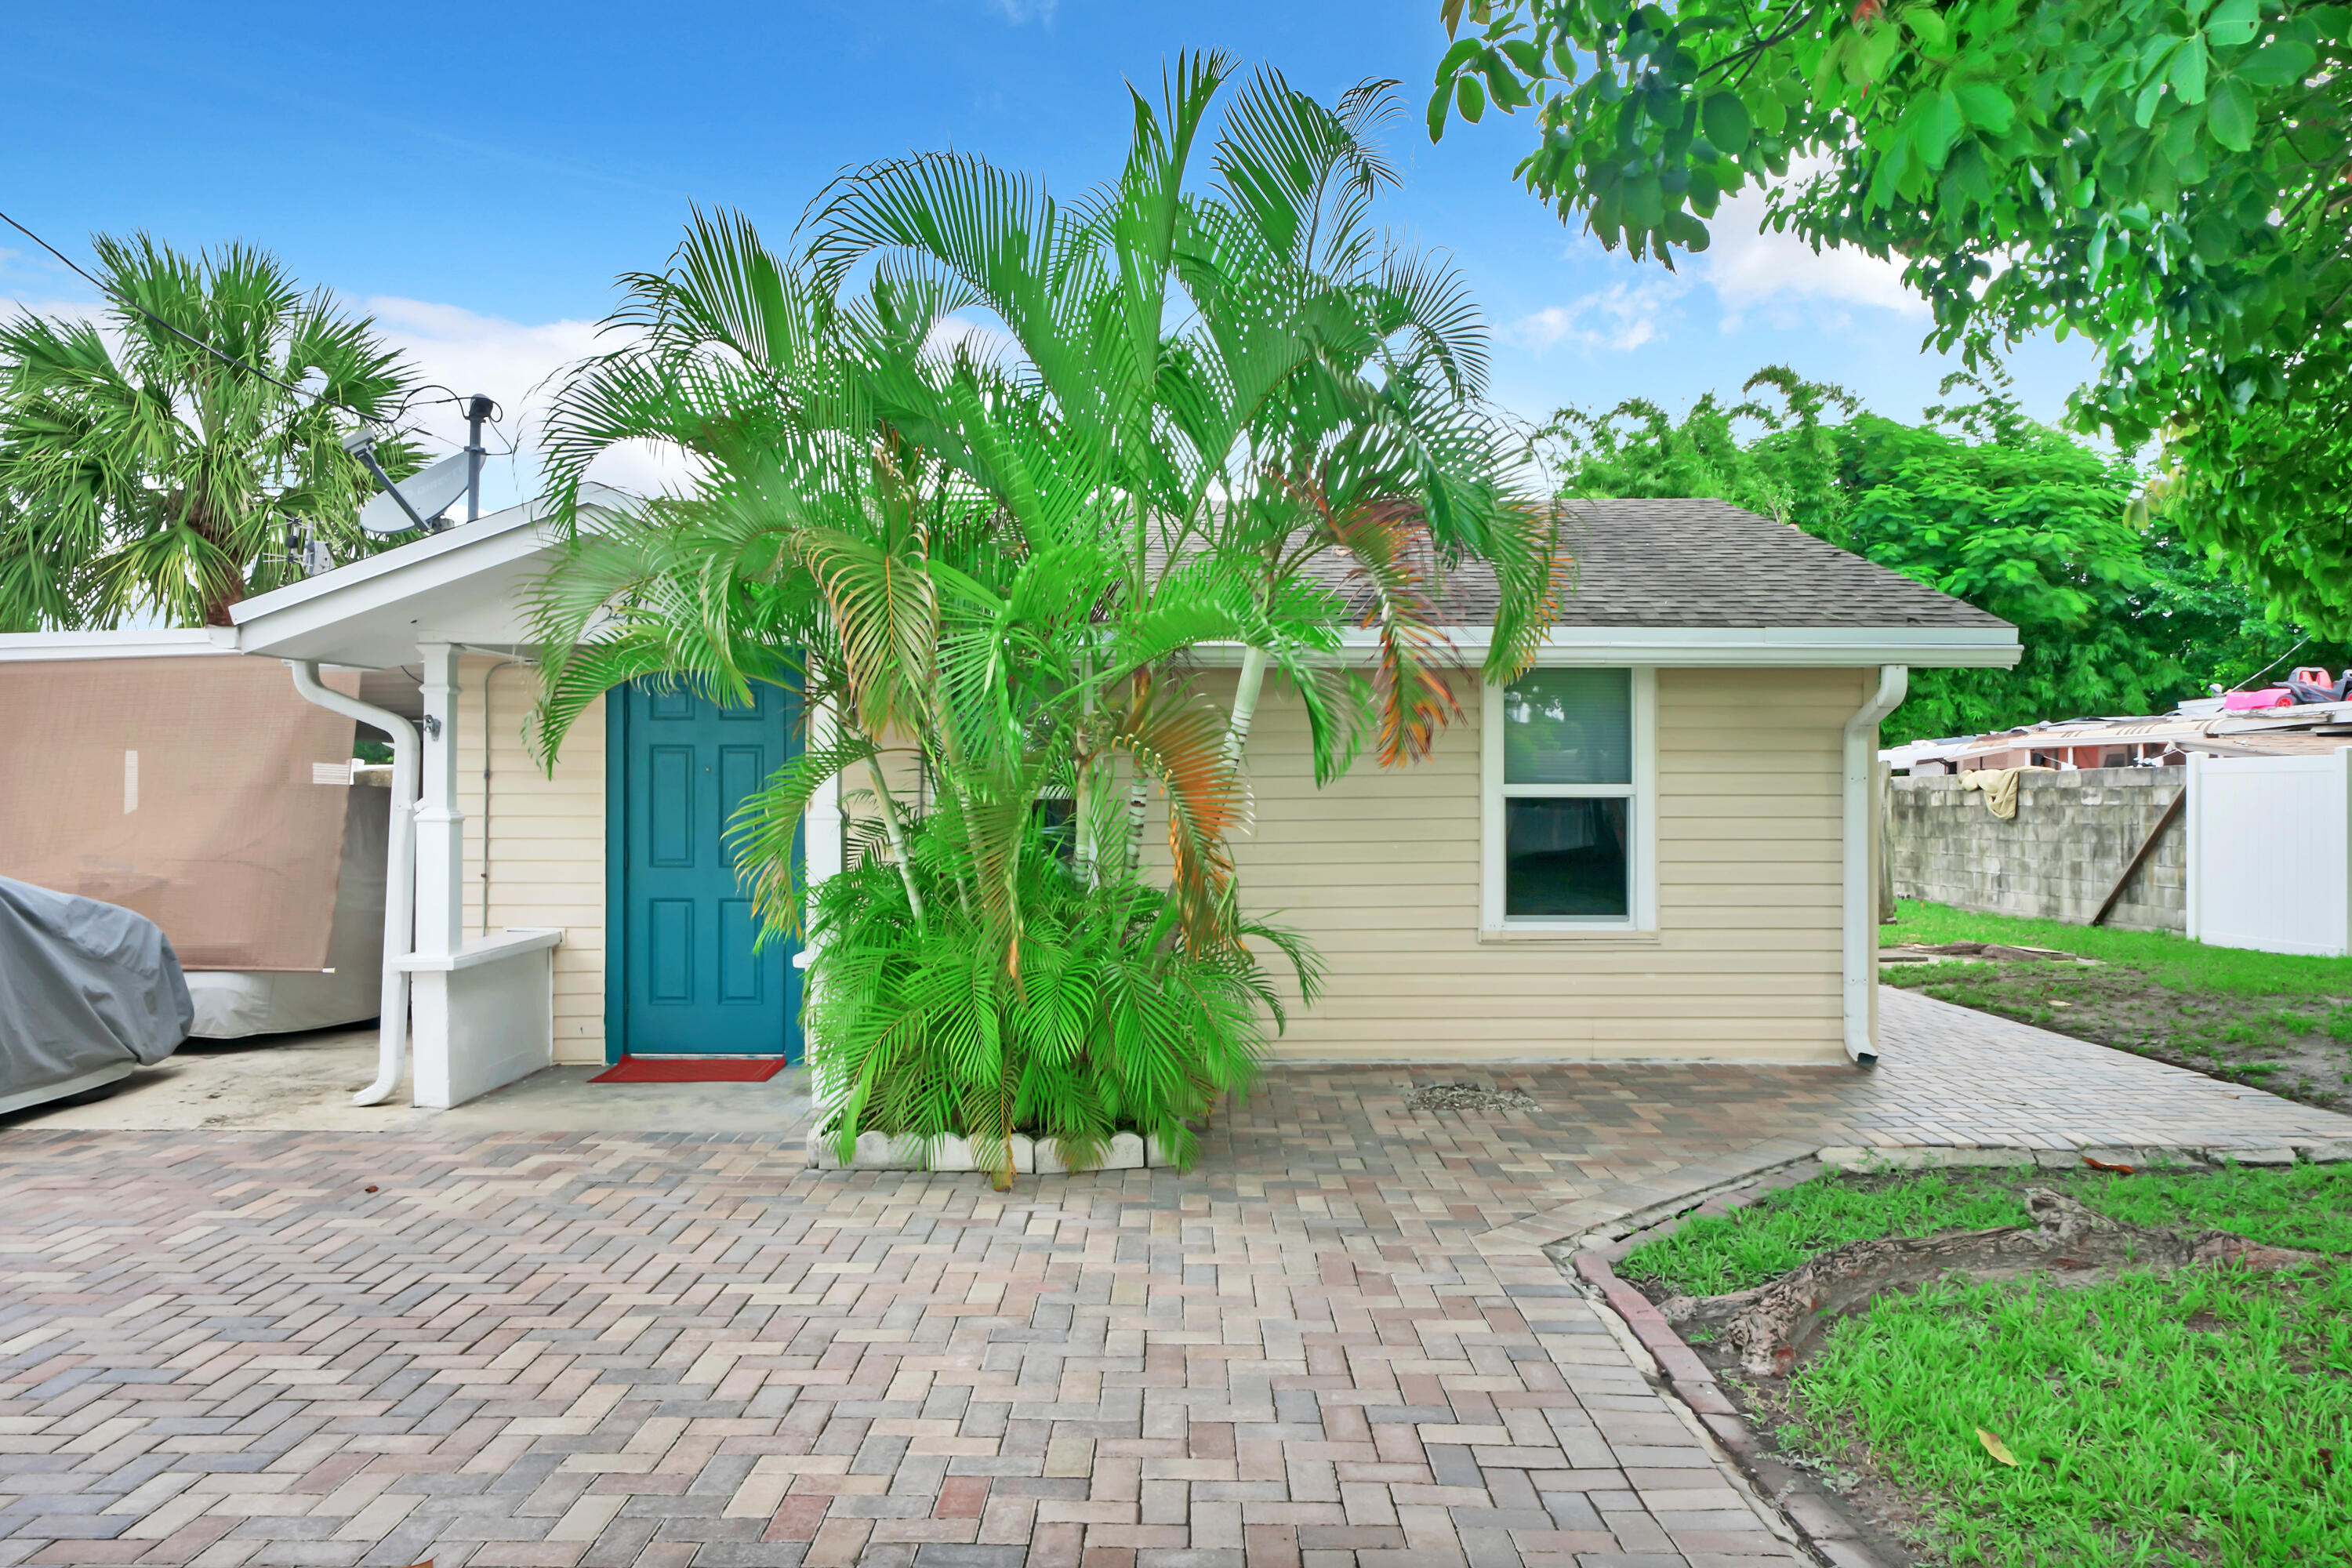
(692, 1069)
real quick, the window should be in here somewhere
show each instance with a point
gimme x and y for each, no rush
(1569, 814)
(1056, 815)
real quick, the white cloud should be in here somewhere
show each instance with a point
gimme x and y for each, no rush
(1752, 268)
(1019, 11)
(519, 365)
(988, 343)
(1622, 317)
(12, 306)
(27, 285)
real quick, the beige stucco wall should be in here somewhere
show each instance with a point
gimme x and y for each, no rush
(1381, 871)
(546, 841)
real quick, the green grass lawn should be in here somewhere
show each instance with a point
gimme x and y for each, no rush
(2205, 1417)
(2265, 1018)
(2162, 956)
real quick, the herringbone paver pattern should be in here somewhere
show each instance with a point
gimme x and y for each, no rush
(1330, 1344)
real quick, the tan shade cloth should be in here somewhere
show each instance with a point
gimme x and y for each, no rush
(2000, 786)
(201, 792)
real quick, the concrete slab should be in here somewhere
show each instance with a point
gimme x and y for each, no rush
(304, 1083)
(562, 1099)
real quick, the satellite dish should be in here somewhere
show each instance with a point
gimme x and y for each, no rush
(430, 492)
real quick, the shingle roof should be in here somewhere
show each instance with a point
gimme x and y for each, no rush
(1711, 563)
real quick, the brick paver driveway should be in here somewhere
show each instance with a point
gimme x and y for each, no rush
(1333, 1343)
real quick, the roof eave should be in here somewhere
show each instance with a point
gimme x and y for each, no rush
(1919, 647)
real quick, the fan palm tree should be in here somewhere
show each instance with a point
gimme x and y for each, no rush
(143, 477)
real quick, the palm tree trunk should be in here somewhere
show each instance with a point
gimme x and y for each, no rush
(1082, 839)
(225, 586)
(1245, 696)
(897, 836)
(1139, 800)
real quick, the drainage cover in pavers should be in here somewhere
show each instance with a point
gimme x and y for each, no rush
(1469, 1096)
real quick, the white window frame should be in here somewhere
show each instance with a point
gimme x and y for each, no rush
(1641, 919)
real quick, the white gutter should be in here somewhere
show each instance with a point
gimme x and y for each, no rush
(1861, 929)
(399, 873)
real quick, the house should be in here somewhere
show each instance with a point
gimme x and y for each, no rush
(1657, 845)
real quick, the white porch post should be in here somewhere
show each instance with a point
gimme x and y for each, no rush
(439, 1076)
(440, 825)
(820, 825)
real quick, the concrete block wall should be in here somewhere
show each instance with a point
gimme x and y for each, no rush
(2056, 859)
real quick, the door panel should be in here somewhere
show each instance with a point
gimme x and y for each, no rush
(669, 950)
(692, 980)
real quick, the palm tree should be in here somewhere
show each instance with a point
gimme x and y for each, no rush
(1286, 406)
(1272, 422)
(920, 544)
(144, 478)
(1229, 418)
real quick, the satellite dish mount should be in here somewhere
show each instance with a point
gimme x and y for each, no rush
(418, 500)
(479, 411)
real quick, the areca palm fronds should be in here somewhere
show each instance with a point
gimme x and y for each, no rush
(1230, 346)
(1225, 416)
(145, 478)
(1115, 1024)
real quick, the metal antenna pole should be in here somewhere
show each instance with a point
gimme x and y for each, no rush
(478, 411)
(360, 444)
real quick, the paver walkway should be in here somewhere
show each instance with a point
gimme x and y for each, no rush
(1332, 1344)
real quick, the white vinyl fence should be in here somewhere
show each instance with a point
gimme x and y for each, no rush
(2270, 853)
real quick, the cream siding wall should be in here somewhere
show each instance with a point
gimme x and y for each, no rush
(546, 838)
(1381, 871)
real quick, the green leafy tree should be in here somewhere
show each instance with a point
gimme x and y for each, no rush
(2017, 519)
(142, 478)
(2166, 177)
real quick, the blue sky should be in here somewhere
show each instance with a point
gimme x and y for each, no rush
(476, 176)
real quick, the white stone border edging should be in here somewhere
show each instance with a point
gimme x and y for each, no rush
(1030, 1156)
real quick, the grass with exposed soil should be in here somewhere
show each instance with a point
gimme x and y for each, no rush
(2278, 1022)
(2203, 1417)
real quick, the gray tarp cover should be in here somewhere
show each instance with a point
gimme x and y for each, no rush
(82, 985)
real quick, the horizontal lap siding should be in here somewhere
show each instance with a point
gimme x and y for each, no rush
(546, 839)
(1380, 871)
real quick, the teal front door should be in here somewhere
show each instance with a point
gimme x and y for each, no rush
(689, 980)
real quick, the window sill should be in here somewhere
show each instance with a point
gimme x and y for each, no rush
(1621, 936)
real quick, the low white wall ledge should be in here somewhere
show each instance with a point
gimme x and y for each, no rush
(485, 1016)
(478, 951)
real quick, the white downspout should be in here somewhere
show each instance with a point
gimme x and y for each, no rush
(1861, 929)
(399, 872)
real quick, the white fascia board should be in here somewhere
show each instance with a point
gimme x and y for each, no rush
(415, 579)
(345, 582)
(49, 647)
(422, 565)
(1928, 648)
(424, 579)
